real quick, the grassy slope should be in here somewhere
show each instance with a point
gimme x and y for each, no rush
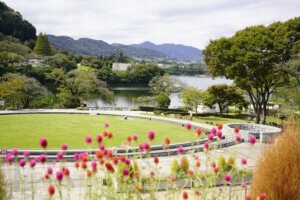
(24, 131)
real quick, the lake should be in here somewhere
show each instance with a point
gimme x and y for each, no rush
(124, 95)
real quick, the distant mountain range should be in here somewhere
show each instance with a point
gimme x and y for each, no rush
(146, 50)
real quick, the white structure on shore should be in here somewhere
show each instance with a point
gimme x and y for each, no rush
(205, 109)
(120, 66)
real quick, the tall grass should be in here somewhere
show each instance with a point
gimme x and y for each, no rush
(277, 172)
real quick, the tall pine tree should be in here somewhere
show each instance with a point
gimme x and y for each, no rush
(42, 46)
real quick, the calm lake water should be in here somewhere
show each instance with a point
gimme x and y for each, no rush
(124, 95)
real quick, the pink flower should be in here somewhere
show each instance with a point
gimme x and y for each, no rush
(227, 177)
(43, 143)
(53, 162)
(99, 138)
(22, 163)
(188, 126)
(252, 140)
(76, 156)
(244, 161)
(206, 145)
(243, 185)
(101, 147)
(210, 137)
(151, 135)
(59, 176)
(106, 125)
(122, 146)
(88, 139)
(213, 164)
(94, 164)
(180, 149)
(238, 138)
(15, 152)
(64, 146)
(219, 134)
(26, 153)
(146, 146)
(134, 137)
(126, 172)
(42, 158)
(127, 161)
(60, 155)
(32, 163)
(141, 147)
(9, 159)
(49, 170)
(214, 131)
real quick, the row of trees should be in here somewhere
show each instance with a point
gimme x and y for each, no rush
(221, 95)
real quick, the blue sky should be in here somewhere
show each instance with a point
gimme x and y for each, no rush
(188, 22)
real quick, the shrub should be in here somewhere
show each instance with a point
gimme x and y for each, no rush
(277, 171)
(231, 162)
(175, 167)
(184, 164)
(221, 162)
(157, 112)
(147, 108)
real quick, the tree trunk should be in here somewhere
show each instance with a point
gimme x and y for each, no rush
(221, 110)
(264, 113)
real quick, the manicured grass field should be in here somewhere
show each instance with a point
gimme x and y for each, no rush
(25, 131)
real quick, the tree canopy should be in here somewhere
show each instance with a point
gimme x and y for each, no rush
(192, 97)
(251, 58)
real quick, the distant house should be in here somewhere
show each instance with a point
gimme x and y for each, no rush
(205, 109)
(120, 66)
(36, 61)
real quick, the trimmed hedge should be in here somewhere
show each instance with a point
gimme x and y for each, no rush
(151, 109)
(235, 116)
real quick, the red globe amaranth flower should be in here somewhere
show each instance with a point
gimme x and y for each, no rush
(237, 129)
(125, 171)
(248, 197)
(49, 170)
(129, 138)
(198, 164)
(83, 165)
(106, 125)
(109, 154)
(197, 193)
(219, 134)
(213, 131)
(115, 160)
(51, 190)
(43, 143)
(262, 196)
(198, 131)
(238, 138)
(185, 195)
(110, 135)
(190, 172)
(22, 163)
(101, 161)
(42, 158)
(99, 154)
(89, 173)
(156, 160)
(210, 137)
(136, 174)
(84, 158)
(94, 170)
(220, 126)
(46, 176)
(66, 172)
(216, 170)
(138, 188)
(109, 167)
(167, 141)
(122, 158)
(152, 173)
(76, 164)
(105, 133)
(64, 146)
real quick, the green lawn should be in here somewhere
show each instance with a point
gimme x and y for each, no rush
(25, 131)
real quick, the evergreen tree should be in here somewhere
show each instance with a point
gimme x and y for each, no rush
(42, 46)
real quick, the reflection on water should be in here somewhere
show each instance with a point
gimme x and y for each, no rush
(124, 95)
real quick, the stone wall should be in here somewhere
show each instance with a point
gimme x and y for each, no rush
(263, 132)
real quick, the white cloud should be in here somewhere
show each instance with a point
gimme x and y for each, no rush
(188, 22)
